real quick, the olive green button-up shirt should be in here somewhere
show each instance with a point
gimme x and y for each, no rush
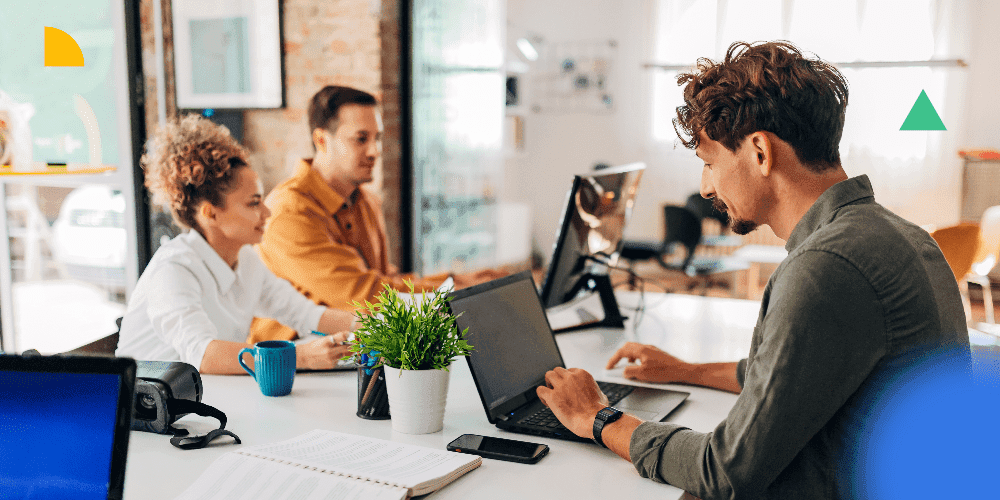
(860, 291)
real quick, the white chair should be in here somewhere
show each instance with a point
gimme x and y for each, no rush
(986, 258)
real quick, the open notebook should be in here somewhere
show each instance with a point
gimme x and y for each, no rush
(328, 464)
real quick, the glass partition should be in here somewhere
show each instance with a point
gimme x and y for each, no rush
(458, 92)
(67, 187)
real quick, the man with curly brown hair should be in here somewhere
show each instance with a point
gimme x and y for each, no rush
(862, 295)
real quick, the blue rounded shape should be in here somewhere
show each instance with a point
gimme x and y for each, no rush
(931, 434)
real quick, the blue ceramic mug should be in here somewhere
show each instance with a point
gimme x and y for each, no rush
(274, 361)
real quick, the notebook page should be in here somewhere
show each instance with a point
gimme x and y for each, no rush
(235, 476)
(375, 459)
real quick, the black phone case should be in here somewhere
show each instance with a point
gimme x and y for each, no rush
(497, 456)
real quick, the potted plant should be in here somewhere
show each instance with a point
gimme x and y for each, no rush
(415, 339)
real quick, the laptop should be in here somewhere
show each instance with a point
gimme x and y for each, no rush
(64, 426)
(514, 347)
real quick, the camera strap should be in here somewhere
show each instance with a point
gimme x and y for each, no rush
(181, 438)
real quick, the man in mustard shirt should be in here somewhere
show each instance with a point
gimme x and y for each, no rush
(326, 234)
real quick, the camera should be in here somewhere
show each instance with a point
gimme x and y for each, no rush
(158, 387)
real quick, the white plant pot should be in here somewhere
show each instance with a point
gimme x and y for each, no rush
(417, 399)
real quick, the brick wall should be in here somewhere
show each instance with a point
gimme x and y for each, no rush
(325, 42)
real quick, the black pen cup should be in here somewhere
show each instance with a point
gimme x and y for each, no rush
(373, 400)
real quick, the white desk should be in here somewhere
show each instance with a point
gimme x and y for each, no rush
(755, 256)
(691, 327)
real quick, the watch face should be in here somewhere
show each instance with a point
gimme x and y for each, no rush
(607, 412)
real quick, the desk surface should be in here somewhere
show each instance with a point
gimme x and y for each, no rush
(694, 328)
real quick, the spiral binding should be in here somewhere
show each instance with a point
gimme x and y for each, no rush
(325, 471)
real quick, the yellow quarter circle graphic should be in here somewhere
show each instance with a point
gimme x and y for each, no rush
(61, 49)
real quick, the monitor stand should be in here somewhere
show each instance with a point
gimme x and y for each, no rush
(596, 284)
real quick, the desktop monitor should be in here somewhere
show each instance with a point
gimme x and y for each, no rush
(589, 240)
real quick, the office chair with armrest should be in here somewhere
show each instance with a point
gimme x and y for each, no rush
(705, 211)
(683, 227)
(959, 244)
(104, 346)
(986, 259)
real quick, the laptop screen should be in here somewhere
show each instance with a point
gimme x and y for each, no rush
(513, 344)
(58, 429)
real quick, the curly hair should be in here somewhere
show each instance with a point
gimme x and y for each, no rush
(766, 86)
(191, 160)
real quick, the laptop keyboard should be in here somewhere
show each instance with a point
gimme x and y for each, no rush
(545, 418)
(615, 392)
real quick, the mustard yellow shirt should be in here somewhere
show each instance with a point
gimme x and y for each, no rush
(330, 247)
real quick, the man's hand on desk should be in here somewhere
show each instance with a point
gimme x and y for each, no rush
(322, 353)
(656, 365)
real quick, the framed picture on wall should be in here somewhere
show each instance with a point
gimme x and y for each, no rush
(227, 54)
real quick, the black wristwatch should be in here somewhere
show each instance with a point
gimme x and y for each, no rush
(606, 416)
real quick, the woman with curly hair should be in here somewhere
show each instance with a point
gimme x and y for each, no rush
(200, 291)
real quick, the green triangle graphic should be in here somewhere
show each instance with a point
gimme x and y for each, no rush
(923, 116)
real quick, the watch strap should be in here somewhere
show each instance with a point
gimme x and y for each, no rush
(607, 415)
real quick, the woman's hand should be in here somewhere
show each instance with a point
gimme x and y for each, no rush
(322, 353)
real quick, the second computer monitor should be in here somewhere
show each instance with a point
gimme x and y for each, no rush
(590, 233)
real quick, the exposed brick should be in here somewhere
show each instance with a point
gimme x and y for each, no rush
(340, 47)
(326, 42)
(293, 114)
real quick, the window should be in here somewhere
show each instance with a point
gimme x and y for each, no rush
(902, 165)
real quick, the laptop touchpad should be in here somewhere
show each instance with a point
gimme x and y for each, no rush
(643, 414)
(643, 398)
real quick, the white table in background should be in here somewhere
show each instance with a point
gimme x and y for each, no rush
(694, 328)
(755, 256)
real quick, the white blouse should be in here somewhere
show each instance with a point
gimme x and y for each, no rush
(188, 296)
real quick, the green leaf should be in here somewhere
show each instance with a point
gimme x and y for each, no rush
(419, 335)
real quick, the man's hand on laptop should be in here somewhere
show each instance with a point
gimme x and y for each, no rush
(654, 365)
(574, 398)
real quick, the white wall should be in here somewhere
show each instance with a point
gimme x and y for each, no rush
(982, 115)
(560, 144)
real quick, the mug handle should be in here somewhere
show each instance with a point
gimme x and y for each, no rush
(239, 357)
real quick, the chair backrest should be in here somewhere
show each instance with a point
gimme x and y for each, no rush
(704, 209)
(989, 227)
(681, 226)
(105, 346)
(959, 244)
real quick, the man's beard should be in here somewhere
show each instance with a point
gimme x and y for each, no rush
(739, 226)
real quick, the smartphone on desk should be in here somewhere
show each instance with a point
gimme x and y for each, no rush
(499, 448)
